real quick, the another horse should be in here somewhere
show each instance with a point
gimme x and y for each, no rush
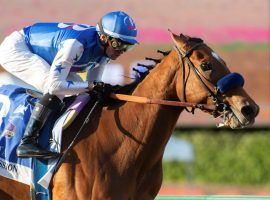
(119, 154)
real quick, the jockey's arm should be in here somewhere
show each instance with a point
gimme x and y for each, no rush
(58, 84)
(96, 73)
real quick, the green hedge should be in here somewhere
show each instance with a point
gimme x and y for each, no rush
(224, 156)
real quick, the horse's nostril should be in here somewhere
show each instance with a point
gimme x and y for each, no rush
(248, 112)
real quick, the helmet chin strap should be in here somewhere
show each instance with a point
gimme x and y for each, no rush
(102, 32)
(104, 42)
(103, 37)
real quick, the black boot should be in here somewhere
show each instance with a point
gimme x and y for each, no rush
(42, 111)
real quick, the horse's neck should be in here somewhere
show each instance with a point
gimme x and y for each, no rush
(152, 125)
(159, 83)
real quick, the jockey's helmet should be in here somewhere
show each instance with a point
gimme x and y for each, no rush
(118, 25)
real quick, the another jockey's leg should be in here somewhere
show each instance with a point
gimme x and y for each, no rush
(41, 112)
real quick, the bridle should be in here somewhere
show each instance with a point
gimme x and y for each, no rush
(220, 106)
(217, 109)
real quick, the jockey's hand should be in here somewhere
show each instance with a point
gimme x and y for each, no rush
(101, 88)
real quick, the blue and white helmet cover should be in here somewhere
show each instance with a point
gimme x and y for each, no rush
(119, 25)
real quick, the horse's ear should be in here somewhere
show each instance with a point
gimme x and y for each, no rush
(178, 40)
(184, 37)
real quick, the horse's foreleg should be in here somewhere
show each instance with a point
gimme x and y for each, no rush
(150, 183)
(5, 196)
(10, 189)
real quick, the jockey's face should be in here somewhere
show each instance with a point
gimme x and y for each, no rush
(116, 47)
(113, 53)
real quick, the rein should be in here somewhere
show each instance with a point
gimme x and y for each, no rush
(145, 100)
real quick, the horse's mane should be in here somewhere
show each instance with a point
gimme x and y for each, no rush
(140, 75)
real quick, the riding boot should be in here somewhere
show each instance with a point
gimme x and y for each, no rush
(28, 147)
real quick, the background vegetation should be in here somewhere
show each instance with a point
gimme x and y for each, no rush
(224, 156)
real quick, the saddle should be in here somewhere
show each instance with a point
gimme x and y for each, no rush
(72, 105)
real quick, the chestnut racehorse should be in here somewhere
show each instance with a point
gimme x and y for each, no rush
(119, 154)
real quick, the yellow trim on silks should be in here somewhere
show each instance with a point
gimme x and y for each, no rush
(70, 118)
(83, 75)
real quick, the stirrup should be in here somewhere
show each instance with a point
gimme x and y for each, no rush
(40, 156)
(32, 150)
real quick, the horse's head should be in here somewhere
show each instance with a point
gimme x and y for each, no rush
(205, 78)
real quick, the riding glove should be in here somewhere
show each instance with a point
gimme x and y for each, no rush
(100, 87)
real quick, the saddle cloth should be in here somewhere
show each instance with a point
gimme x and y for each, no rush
(15, 112)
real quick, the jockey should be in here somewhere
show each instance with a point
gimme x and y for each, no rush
(48, 56)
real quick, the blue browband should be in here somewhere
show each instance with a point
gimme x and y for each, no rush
(230, 82)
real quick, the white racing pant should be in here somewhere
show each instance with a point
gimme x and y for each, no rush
(17, 59)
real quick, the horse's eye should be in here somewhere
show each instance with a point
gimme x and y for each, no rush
(205, 66)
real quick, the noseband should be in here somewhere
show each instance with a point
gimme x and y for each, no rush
(225, 84)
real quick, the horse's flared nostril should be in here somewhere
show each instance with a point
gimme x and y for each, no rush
(248, 112)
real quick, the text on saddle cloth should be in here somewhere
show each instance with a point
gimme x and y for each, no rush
(15, 112)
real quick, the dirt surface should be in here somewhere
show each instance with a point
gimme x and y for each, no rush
(210, 189)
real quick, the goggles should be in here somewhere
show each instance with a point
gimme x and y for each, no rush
(119, 45)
